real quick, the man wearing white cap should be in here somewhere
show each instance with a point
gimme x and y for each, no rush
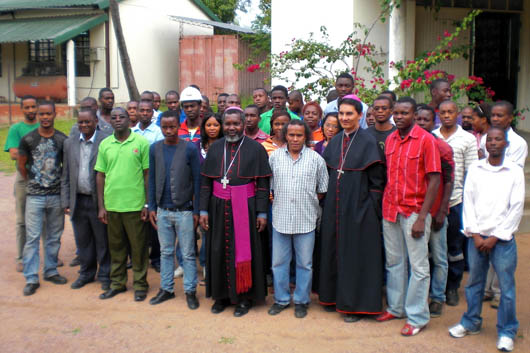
(190, 100)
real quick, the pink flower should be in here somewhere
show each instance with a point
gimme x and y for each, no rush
(253, 68)
(450, 77)
(447, 34)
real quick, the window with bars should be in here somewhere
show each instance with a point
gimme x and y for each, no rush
(45, 51)
(511, 5)
(42, 51)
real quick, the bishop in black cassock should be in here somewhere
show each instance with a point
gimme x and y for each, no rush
(351, 274)
(224, 282)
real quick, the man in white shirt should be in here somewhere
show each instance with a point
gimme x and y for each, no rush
(464, 148)
(501, 117)
(490, 218)
(344, 86)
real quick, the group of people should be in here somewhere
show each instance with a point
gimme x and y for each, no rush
(343, 201)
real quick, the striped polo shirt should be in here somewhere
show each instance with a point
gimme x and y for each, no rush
(464, 147)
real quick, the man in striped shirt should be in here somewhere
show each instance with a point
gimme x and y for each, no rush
(465, 152)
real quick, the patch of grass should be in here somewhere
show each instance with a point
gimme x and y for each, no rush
(226, 340)
(74, 332)
(6, 164)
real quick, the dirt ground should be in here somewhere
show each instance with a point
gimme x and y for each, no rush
(60, 319)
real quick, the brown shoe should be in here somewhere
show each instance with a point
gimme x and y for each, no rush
(20, 267)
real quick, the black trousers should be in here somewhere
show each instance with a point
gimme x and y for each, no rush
(154, 255)
(455, 247)
(91, 240)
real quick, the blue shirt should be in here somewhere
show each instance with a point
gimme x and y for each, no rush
(152, 133)
(181, 118)
(169, 153)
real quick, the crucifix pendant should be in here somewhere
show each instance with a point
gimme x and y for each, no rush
(224, 181)
(339, 173)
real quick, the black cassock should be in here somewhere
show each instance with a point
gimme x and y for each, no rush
(250, 165)
(351, 268)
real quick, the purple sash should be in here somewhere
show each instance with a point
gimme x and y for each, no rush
(239, 196)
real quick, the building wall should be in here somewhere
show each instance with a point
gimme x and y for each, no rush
(292, 19)
(152, 40)
(523, 80)
(8, 68)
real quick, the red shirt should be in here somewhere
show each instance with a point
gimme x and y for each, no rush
(260, 136)
(409, 160)
(184, 132)
(448, 167)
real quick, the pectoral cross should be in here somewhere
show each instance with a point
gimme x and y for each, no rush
(339, 173)
(224, 181)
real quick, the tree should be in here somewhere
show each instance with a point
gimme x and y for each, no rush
(124, 55)
(224, 9)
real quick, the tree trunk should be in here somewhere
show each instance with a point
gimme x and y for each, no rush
(124, 55)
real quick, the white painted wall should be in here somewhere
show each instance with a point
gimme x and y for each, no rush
(293, 19)
(152, 42)
(523, 79)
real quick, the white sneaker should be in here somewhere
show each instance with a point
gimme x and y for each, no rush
(179, 272)
(505, 344)
(459, 331)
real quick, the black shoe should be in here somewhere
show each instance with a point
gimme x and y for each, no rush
(111, 292)
(452, 297)
(242, 308)
(330, 308)
(75, 262)
(56, 279)
(300, 311)
(30, 288)
(277, 308)
(156, 267)
(161, 297)
(105, 286)
(80, 283)
(435, 309)
(192, 301)
(140, 295)
(349, 318)
(219, 306)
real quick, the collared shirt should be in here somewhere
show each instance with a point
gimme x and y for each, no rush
(295, 184)
(465, 153)
(409, 160)
(265, 122)
(85, 150)
(333, 107)
(152, 133)
(186, 134)
(493, 199)
(123, 164)
(260, 136)
(516, 151)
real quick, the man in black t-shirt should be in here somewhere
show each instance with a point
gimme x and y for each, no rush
(382, 110)
(40, 163)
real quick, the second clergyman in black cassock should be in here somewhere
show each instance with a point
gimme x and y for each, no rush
(351, 264)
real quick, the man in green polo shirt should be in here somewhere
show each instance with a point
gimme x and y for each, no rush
(15, 134)
(279, 100)
(122, 166)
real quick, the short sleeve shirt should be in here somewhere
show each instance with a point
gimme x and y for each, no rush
(123, 164)
(16, 132)
(44, 162)
(408, 160)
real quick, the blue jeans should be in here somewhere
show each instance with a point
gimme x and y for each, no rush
(503, 257)
(438, 249)
(170, 225)
(407, 295)
(282, 245)
(42, 209)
